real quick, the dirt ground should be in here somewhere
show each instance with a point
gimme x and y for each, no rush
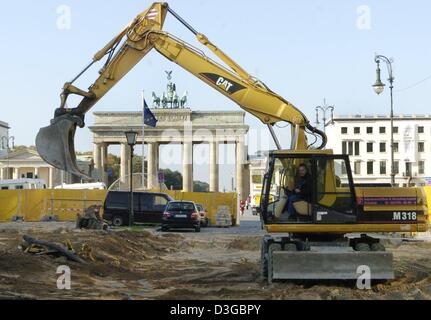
(146, 264)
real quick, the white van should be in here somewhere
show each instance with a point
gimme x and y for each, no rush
(22, 184)
(83, 186)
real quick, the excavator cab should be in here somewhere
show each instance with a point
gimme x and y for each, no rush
(330, 196)
(306, 239)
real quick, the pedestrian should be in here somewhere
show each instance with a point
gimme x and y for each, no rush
(242, 207)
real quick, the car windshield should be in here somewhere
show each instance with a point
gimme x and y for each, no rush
(181, 206)
(200, 208)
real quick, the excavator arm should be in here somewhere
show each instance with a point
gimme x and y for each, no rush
(55, 143)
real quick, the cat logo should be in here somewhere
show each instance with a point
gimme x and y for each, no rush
(227, 85)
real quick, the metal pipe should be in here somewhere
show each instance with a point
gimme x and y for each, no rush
(82, 72)
(274, 136)
(177, 16)
(132, 214)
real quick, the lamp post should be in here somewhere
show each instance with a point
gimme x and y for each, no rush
(131, 137)
(5, 140)
(324, 108)
(379, 87)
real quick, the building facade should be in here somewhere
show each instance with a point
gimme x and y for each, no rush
(367, 140)
(27, 164)
(4, 138)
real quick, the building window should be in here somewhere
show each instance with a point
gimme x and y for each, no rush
(395, 130)
(382, 130)
(356, 148)
(350, 147)
(421, 129)
(382, 146)
(343, 170)
(29, 175)
(396, 147)
(421, 168)
(344, 130)
(357, 167)
(350, 143)
(370, 147)
(357, 130)
(369, 130)
(396, 167)
(421, 147)
(409, 169)
(382, 167)
(370, 167)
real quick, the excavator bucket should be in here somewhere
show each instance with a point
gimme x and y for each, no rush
(56, 146)
(330, 264)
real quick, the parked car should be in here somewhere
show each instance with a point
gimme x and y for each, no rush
(181, 215)
(148, 207)
(204, 215)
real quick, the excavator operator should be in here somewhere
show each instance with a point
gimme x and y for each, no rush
(302, 190)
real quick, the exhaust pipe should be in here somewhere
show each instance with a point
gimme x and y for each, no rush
(55, 144)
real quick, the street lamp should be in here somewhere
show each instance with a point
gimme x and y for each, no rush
(325, 108)
(131, 137)
(379, 87)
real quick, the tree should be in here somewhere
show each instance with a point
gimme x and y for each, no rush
(173, 179)
(199, 186)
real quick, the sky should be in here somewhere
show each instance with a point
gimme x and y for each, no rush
(303, 50)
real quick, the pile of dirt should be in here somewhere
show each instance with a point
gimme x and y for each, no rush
(147, 264)
(245, 243)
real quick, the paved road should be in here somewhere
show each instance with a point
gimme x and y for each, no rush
(250, 225)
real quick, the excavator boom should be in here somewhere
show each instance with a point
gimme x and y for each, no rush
(55, 143)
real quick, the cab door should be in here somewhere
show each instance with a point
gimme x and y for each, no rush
(334, 199)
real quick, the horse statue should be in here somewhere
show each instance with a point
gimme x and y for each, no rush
(184, 99)
(164, 101)
(176, 101)
(156, 100)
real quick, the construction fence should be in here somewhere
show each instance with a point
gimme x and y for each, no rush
(64, 205)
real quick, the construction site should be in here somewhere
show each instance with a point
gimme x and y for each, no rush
(336, 209)
(215, 265)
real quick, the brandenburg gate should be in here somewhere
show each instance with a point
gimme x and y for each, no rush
(175, 126)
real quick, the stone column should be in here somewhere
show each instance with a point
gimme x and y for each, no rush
(51, 178)
(188, 166)
(240, 168)
(2, 172)
(97, 156)
(36, 173)
(125, 155)
(16, 173)
(214, 166)
(104, 162)
(153, 165)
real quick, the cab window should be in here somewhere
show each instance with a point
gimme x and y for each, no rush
(333, 185)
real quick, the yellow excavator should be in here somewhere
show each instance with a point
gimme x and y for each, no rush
(329, 234)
